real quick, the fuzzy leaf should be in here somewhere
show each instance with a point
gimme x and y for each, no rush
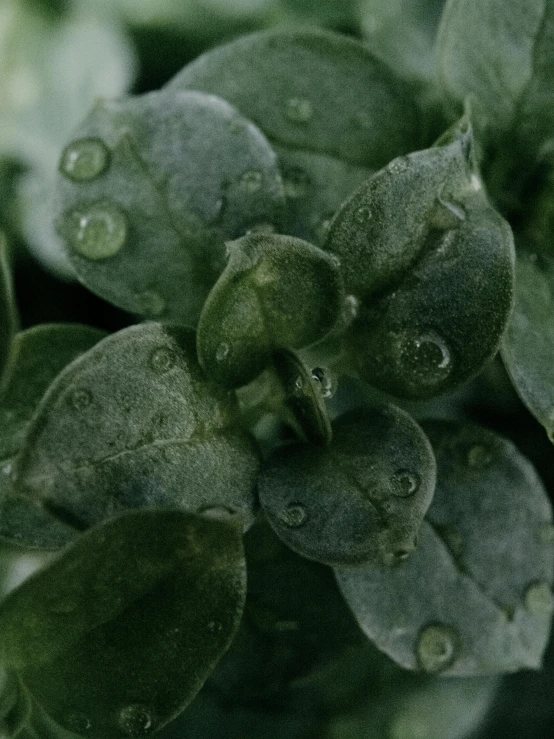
(528, 346)
(499, 52)
(134, 423)
(475, 597)
(9, 319)
(362, 499)
(435, 285)
(122, 629)
(150, 189)
(276, 291)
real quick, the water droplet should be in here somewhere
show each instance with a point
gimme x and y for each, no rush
(425, 359)
(298, 110)
(136, 720)
(546, 533)
(163, 359)
(222, 351)
(215, 626)
(405, 483)
(294, 515)
(397, 166)
(97, 231)
(479, 456)
(445, 215)
(362, 215)
(81, 399)
(251, 180)
(297, 183)
(151, 304)
(437, 646)
(351, 307)
(78, 722)
(84, 159)
(539, 599)
(325, 381)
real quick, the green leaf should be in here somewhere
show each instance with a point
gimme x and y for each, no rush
(134, 423)
(276, 291)
(362, 499)
(528, 346)
(431, 263)
(475, 597)
(9, 319)
(499, 53)
(122, 629)
(151, 187)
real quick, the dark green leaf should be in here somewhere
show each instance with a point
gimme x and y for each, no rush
(8, 311)
(120, 632)
(499, 53)
(134, 423)
(528, 347)
(362, 499)
(431, 263)
(475, 597)
(276, 291)
(150, 189)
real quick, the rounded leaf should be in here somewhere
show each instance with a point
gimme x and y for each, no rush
(151, 187)
(134, 423)
(124, 627)
(435, 285)
(362, 499)
(475, 597)
(276, 291)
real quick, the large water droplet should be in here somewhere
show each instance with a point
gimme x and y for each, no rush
(298, 110)
(294, 515)
(437, 646)
(222, 351)
(151, 304)
(297, 183)
(163, 359)
(97, 231)
(479, 456)
(80, 399)
(425, 359)
(325, 381)
(251, 180)
(136, 720)
(84, 159)
(539, 599)
(405, 483)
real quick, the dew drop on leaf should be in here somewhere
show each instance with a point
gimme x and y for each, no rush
(222, 351)
(426, 358)
(294, 515)
(136, 720)
(363, 215)
(324, 381)
(298, 110)
(398, 165)
(405, 483)
(80, 399)
(162, 359)
(436, 647)
(539, 598)
(351, 307)
(96, 231)
(251, 180)
(84, 159)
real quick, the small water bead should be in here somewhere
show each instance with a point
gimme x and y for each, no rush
(97, 231)
(84, 159)
(296, 183)
(136, 720)
(215, 627)
(539, 599)
(437, 646)
(363, 215)
(80, 399)
(162, 359)
(426, 358)
(294, 515)
(479, 456)
(325, 381)
(151, 304)
(298, 110)
(222, 351)
(251, 180)
(397, 166)
(405, 483)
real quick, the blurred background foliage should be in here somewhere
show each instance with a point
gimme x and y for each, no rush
(299, 669)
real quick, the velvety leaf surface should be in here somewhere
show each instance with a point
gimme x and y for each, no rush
(528, 346)
(8, 311)
(500, 55)
(151, 187)
(276, 291)
(134, 423)
(475, 597)
(362, 499)
(431, 263)
(119, 633)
